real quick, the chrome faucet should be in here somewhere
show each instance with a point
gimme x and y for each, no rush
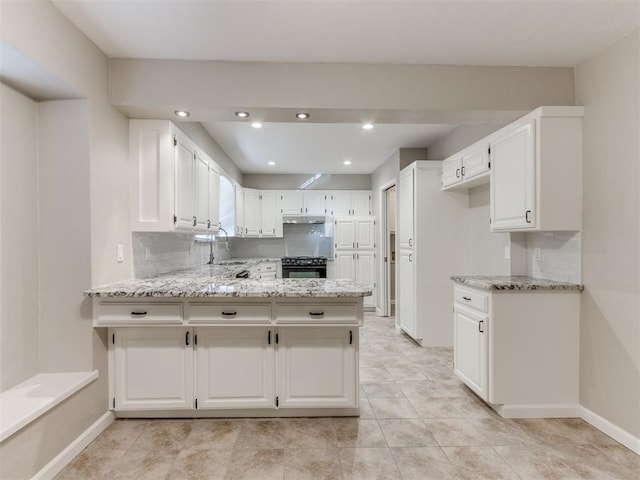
(212, 242)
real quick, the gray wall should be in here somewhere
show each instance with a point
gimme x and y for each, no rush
(607, 85)
(293, 182)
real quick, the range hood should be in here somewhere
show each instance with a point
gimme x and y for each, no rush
(304, 219)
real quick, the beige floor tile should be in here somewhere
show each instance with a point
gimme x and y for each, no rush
(500, 431)
(454, 433)
(623, 456)
(375, 375)
(383, 390)
(92, 464)
(392, 408)
(310, 433)
(143, 465)
(257, 433)
(406, 374)
(368, 464)
(416, 390)
(430, 407)
(164, 435)
(562, 431)
(210, 434)
(589, 462)
(479, 463)
(406, 433)
(121, 434)
(424, 463)
(353, 432)
(254, 464)
(312, 464)
(200, 464)
(471, 406)
(536, 463)
(366, 412)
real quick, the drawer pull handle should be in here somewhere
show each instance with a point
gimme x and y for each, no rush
(186, 338)
(527, 215)
(481, 326)
(229, 314)
(316, 314)
(350, 337)
(467, 299)
(138, 314)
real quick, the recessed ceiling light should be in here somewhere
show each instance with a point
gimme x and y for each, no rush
(256, 125)
(182, 113)
(302, 115)
(242, 114)
(367, 126)
(271, 163)
(347, 162)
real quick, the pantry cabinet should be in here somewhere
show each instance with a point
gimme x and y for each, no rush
(250, 351)
(316, 367)
(407, 294)
(152, 368)
(172, 181)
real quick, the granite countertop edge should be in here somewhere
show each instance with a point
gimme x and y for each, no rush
(514, 283)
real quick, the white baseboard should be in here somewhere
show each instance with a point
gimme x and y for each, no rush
(538, 411)
(55, 466)
(615, 432)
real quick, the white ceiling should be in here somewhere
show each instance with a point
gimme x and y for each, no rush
(318, 147)
(477, 32)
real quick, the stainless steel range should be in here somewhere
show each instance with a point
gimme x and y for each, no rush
(304, 267)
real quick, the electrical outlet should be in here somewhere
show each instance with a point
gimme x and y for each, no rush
(537, 253)
(147, 253)
(507, 253)
(119, 253)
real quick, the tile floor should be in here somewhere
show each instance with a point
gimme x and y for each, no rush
(417, 422)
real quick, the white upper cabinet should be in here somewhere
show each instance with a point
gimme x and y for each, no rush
(536, 172)
(513, 178)
(468, 168)
(315, 202)
(262, 217)
(252, 212)
(451, 171)
(344, 233)
(405, 233)
(349, 203)
(291, 202)
(365, 233)
(173, 182)
(239, 214)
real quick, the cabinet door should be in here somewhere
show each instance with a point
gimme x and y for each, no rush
(316, 367)
(345, 264)
(405, 209)
(475, 163)
(252, 213)
(235, 368)
(214, 201)
(340, 204)
(451, 171)
(201, 192)
(471, 362)
(361, 203)
(513, 180)
(406, 303)
(291, 203)
(365, 233)
(271, 217)
(239, 227)
(344, 233)
(153, 368)
(185, 175)
(315, 203)
(366, 273)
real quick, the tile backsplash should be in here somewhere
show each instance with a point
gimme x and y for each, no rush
(156, 253)
(549, 255)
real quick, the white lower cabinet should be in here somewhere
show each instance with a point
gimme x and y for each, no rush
(152, 368)
(470, 355)
(234, 367)
(316, 367)
(406, 292)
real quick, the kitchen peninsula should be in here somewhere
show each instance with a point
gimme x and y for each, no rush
(203, 343)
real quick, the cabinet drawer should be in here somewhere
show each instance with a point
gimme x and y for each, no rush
(267, 275)
(317, 313)
(138, 313)
(267, 267)
(229, 313)
(472, 299)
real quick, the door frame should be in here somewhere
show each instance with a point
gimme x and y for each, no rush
(383, 266)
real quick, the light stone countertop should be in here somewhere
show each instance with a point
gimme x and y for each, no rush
(514, 283)
(218, 280)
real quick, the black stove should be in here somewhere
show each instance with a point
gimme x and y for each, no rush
(304, 267)
(304, 261)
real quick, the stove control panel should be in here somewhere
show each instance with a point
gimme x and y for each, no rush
(304, 261)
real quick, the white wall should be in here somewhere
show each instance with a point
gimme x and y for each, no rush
(19, 335)
(608, 86)
(293, 182)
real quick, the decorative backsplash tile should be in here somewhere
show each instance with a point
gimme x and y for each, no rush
(156, 253)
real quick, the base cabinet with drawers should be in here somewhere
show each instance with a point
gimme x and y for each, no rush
(519, 350)
(226, 355)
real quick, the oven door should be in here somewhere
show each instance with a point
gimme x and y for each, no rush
(304, 272)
